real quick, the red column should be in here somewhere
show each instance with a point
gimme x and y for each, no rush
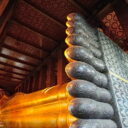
(61, 63)
(42, 78)
(50, 81)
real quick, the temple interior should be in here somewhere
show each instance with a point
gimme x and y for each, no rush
(61, 62)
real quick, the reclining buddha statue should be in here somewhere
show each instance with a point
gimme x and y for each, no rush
(96, 96)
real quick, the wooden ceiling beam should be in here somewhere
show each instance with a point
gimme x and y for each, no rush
(4, 81)
(4, 23)
(44, 14)
(12, 72)
(10, 76)
(6, 16)
(101, 5)
(19, 68)
(17, 60)
(29, 29)
(34, 30)
(3, 5)
(84, 12)
(21, 52)
(28, 43)
(89, 14)
(93, 14)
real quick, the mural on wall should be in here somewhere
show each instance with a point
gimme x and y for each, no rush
(114, 29)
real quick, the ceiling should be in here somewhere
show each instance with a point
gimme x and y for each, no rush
(32, 30)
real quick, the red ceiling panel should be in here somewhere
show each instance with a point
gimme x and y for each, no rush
(34, 19)
(58, 9)
(25, 34)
